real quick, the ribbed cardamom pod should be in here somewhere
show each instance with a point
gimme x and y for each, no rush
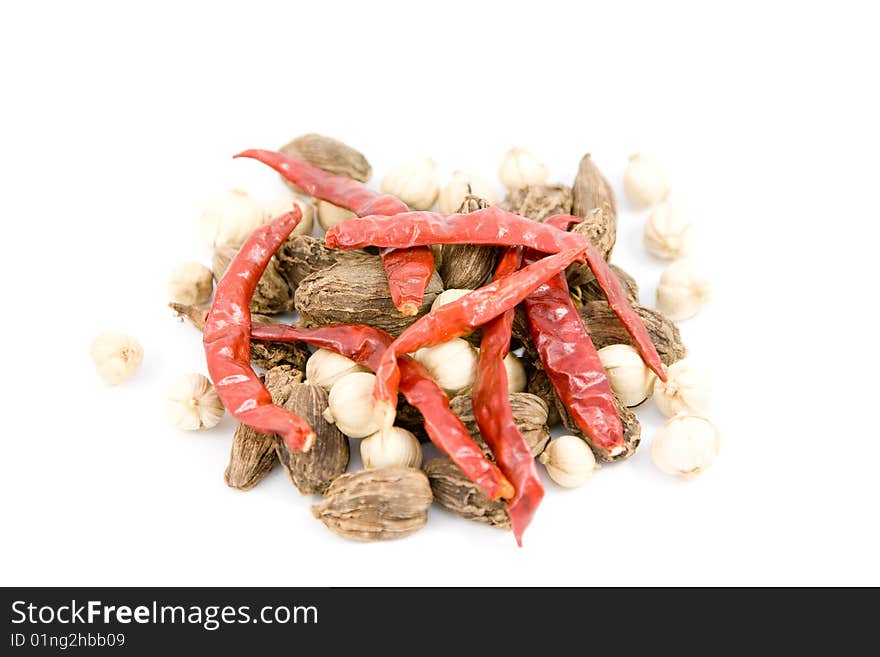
(529, 413)
(253, 454)
(454, 491)
(466, 266)
(313, 471)
(539, 201)
(540, 386)
(303, 255)
(632, 430)
(605, 329)
(356, 293)
(584, 287)
(272, 296)
(329, 154)
(376, 505)
(593, 200)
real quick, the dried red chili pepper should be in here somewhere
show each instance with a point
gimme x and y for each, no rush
(491, 404)
(491, 225)
(459, 318)
(227, 339)
(365, 345)
(408, 270)
(571, 361)
(614, 293)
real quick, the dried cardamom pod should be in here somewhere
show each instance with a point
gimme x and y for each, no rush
(356, 293)
(272, 296)
(460, 495)
(540, 386)
(580, 276)
(313, 471)
(593, 200)
(466, 266)
(632, 430)
(329, 154)
(253, 454)
(303, 255)
(529, 413)
(376, 505)
(539, 201)
(605, 329)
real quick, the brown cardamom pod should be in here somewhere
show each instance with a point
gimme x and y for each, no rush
(313, 471)
(330, 155)
(581, 277)
(253, 454)
(466, 266)
(376, 505)
(356, 293)
(303, 255)
(272, 296)
(605, 329)
(632, 430)
(539, 201)
(460, 495)
(529, 413)
(593, 200)
(540, 386)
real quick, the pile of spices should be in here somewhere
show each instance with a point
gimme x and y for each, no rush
(510, 310)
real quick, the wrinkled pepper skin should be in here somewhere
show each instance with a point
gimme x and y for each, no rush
(365, 345)
(227, 339)
(408, 270)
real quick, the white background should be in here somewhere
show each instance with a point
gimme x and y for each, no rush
(118, 122)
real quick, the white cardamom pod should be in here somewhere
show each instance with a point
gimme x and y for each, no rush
(193, 404)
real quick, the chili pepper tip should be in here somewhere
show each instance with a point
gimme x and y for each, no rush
(409, 309)
(505, 490)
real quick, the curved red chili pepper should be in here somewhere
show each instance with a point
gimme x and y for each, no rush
(365, 345)
(494, 416)
(488, 226)
(408, 270)
(459, 318)
(227, 339)
(610, 286)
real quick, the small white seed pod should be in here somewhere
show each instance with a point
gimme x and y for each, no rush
(193, 404)
(460, 185)
(329, 215)
(448, 296)
(686, 445)
(116, 356)
(190, 284)
(516, 373)
(645, 181)
(285, 204)
(413, 182)
(683, 290)
(229, 218)
(521, 167)
(569, 461)
(393, 447)
(350, 404)
(686, 390)
(669, 232)
(630, 379)
(453, 364)
(325, 367)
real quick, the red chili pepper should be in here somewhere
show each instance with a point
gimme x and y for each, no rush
(571, 361)
(491, 404)
(617, 300)
(365, 345)
(459, 318)
(488, 226)
(409, 270)
(227, 339)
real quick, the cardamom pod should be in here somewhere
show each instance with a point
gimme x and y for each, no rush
(356, 293)
(580, 276)
(303, 255)
(539, 201)
(376, 505)
(605, 329)
(253, 453)
(529, 413)
(272, 296)
(540, 386)
(329, 154)
(593, 200)
(466, 266)
(313, 471)
(453, 491)
(632, 430)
